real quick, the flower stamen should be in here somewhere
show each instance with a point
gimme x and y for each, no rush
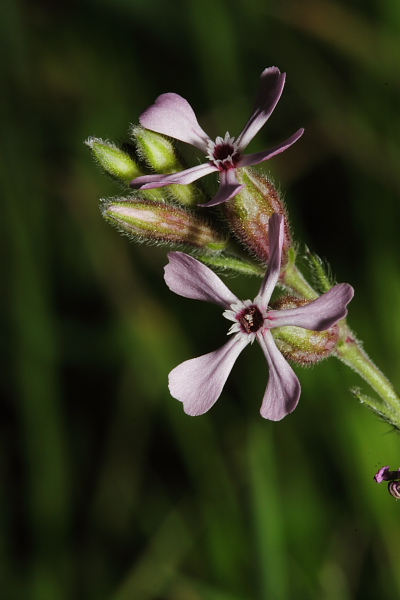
(223, 153)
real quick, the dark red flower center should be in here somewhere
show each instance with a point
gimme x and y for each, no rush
(226, 154)
(251, 319)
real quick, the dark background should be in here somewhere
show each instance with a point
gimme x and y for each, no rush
(108, 491)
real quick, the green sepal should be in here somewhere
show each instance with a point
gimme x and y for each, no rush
(224, 261)
(161, 156)
(154, 221)
(114, 161)
(376, 406)
(248, 212)
(320, 270)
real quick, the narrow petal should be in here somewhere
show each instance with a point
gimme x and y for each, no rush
(275, 243)
(198, 382)
(228, 188)
(320, 314)
(189, 278)
(283, 389)
(249, 160)
(149, 182)
(172, 115)
(269, 91)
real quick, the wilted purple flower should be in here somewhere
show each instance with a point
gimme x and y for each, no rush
(172, 115)
(198, 382)
(385, 474)
(393, 479)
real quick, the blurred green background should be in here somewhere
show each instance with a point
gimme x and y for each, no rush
(108, 491)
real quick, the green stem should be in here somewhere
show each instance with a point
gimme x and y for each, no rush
(350, 351)
(293, 279)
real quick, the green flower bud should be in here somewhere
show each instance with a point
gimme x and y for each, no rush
(229, 263)
(320, 271)
(149, 220)
(113, 161)
(303, 346)
(160, 154)
(249, 211)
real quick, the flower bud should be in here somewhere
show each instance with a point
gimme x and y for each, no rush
(160, 154)
(249, 211)
(113, 161)
(160, 222)
(303, 346)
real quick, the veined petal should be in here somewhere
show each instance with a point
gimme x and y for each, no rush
(198, 382)
(149, 182)
(189, 278)
(269, 91)
(275, 243)
(172, 115)
(228, 188)
(249, 160)
(320, 314)
(283, 389)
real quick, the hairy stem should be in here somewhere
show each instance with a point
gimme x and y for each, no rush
(293, 279)
(350, 351)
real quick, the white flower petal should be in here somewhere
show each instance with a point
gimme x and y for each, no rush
(318, 315)
(275, 242)
(172, 115)
(149, 182)
(283, 389)
(228, 188)
(188, 277)
(269, 91)
(249, 160)
(198, 382)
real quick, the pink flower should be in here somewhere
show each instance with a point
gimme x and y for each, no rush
(198, 382)
(172, 115)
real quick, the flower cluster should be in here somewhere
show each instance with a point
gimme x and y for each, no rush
(250, 234)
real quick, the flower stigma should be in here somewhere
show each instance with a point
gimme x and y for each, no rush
(250, 319)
